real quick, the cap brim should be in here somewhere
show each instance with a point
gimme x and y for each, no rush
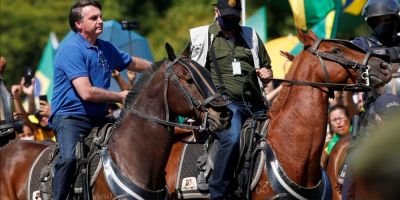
(229, 11)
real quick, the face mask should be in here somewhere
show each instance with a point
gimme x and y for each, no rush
(29, 138)
(386, 32)
(228, 24)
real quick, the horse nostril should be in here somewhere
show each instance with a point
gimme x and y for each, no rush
(225, 115)
(385, 65)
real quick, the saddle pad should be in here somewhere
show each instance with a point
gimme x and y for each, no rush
(35, 172)
(186, 186)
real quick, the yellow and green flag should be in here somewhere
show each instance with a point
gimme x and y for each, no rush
(44, 72)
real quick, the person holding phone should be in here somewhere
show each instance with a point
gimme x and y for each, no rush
(44, 106)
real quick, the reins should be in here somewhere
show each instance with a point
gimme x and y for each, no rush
(189, 98)
(359, 86)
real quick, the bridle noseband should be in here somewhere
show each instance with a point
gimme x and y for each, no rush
(363, 82)
(191, 100)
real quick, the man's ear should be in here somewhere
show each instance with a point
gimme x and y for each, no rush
(78, 25)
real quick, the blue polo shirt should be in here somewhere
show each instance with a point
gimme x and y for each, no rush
(78, 58)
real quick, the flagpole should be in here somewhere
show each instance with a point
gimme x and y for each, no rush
(243, 12)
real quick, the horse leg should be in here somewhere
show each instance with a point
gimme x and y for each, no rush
(100, 189)
(263, 189)
(172, 168)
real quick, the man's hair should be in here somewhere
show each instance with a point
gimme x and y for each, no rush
(75, 13)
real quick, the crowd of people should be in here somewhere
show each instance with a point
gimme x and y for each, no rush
(234, 55)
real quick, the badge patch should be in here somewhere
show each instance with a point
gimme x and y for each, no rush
(189, 183)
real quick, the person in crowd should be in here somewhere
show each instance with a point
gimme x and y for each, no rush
(385, 108)
(340, 125)
(113, 112)
(231, 53)
(121, 81)
(39, 119)
(16, 92)
(375, 163)
(82, 73)
(27, 132)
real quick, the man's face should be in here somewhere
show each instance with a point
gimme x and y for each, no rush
(384, 26)
(91, 23)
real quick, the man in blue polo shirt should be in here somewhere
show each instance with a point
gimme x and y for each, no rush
(82, 72)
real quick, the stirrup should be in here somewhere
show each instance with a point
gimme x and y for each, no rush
(202, 183)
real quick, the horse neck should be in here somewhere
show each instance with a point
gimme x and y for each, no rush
(298, 126)
(141, 147)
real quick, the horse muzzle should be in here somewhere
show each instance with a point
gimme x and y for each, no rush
(380, 74)
(218, 120)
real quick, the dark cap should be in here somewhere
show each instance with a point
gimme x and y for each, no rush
(386, 103)
(229, 7)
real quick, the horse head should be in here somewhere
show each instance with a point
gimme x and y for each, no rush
(193, 83)
(350, 64)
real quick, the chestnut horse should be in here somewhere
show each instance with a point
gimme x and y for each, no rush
(141, 142)
(298, 116)
(336, 160)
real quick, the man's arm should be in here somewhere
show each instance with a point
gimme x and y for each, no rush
(139, 64)
(89, 93)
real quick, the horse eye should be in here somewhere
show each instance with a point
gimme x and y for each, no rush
(189, 80)
(336, 50)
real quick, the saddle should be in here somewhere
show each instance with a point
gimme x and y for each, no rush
(194, 174)
(87, 169)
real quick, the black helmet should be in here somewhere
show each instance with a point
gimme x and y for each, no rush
(374, 8)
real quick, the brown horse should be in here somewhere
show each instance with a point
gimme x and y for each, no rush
(297, 129)
(335, 163)
(141, 142)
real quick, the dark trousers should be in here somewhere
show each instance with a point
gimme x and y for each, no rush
(68, 129)
(227, 155)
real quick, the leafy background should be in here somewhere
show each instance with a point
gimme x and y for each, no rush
(25, 24)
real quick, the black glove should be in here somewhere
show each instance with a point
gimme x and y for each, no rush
(392, 52)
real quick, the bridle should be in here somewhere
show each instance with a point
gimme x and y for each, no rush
(208, 90)
(362, 84)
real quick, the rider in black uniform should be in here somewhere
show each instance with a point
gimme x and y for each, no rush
(383, 16)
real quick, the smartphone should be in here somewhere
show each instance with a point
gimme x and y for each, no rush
(28, 77)
(43, 98)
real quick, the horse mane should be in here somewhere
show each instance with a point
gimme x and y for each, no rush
(143, 80)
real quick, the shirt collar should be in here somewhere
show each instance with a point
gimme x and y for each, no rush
(83, 41)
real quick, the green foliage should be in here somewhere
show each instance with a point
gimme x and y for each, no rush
(25, 27)
(25, 24)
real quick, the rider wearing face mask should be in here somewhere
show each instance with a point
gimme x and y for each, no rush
(231, 53)
(383, 17)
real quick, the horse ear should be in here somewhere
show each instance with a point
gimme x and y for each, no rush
(301, 36)
(306, 38)
(312, 35)
(170, 52)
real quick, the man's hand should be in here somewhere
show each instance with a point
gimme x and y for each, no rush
(44, 108)
(123, 95)
(265, 74)
(16, 90)
(28, 90)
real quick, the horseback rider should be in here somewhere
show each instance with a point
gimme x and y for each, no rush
(231, 53)
(6, 116)
(383, 16)
(82, 71)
